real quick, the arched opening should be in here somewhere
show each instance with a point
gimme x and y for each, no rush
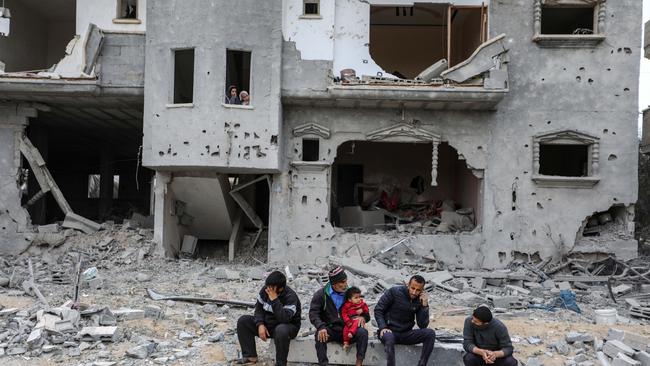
(386, 185)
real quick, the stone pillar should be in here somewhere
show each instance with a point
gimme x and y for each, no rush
(14, 220)
(106, 170)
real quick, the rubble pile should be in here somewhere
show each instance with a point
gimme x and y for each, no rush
(106, 298)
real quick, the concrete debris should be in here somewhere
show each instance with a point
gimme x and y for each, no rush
(169, 329)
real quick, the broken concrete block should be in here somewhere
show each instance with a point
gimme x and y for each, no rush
(469, 299)
(51, 228)
(433, 71)
(189, 245)
(74, 221)
(153, 312)
(623, 360)
(141, 351)
(564, 285)
(573, 337)
(518, 289)
(478, 283)
(15, 351)
(35, 338)
(94, 334)
(4, 282)
(549, 284)
(561, 347)
(622, 289)
(218, 337)
(128, 314)
(615, 334)
(644, 289)
(480, 61)
(613, 348)
(643, 357)
(636, 341)
(534, 361)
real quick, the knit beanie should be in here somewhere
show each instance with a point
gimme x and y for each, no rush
(337, 275)
(483, 314)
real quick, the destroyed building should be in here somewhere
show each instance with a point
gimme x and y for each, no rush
(478, 131)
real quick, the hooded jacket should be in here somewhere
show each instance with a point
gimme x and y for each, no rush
(283, 310)
(398, 312)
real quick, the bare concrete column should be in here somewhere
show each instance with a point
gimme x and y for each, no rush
(166, 233)
(106, 170)
(14, 220)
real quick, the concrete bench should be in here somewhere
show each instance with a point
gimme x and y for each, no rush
(302, 350)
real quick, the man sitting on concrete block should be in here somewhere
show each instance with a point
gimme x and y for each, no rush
(396, 313)
(277, 316)
(486, 340)
(325, 315)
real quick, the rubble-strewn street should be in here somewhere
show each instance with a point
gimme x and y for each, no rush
(115, 321)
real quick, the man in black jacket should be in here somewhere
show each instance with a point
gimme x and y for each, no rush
(325, 315)
(277, 316)
(395, 312)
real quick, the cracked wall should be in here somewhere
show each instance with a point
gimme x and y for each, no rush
(592, 90)
(208, 133)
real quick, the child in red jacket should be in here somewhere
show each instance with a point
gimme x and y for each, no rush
(352, 311)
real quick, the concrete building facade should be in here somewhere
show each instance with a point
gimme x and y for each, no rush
(476, 132)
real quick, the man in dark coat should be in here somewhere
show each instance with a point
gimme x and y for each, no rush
(486, 340)
(325, 315)
(277, 316)
(395, 313)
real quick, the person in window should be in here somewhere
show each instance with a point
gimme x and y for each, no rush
(231, 97)
(245, 98)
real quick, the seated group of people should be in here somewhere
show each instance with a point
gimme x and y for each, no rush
(339, 315)
(232, 97)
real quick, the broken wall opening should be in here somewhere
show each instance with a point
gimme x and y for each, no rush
(127, 9)
(76, 144)
(39, 33)
(568, 19)
(382, 185)
(404, 41)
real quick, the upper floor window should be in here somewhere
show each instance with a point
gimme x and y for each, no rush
(569, 23)
(311, 7)
(127, 9)
(183, 76)
(238, 78)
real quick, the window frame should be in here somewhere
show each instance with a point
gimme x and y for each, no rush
(119, 9)
(304, 14)
(172, 79)
(570, 40)
(568, 137)
(250, 81)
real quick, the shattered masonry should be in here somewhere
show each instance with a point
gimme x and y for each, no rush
(513, 137)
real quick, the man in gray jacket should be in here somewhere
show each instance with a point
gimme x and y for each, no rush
(486, 340)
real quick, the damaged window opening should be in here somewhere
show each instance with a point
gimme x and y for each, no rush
(568, 20)
(311, 7)
(238, 77)
(564, 160)
(183, 76)
(397, 36)
(381, 186)
(127, 9)
(94, 186)
(310, 149)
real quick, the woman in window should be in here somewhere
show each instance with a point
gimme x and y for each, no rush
(231, 97)
(245, 98)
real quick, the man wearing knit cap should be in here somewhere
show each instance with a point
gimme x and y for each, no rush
(486, 340)
(325, 315)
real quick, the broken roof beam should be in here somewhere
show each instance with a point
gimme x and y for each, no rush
(479, 62)
(42, 174)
